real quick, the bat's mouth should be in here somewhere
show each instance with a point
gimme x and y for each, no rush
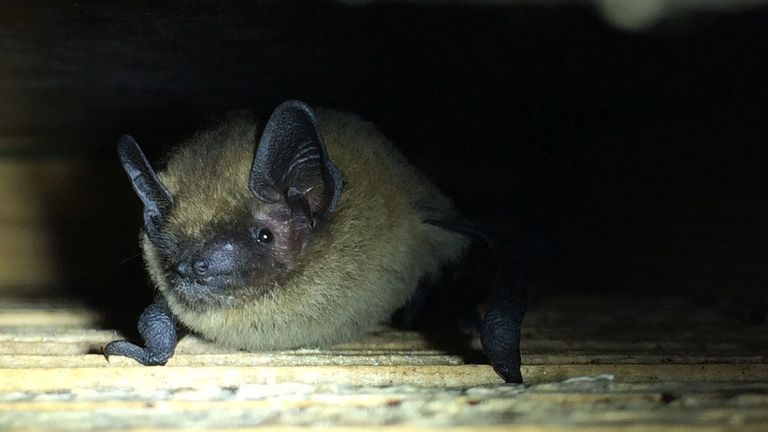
(205, 293)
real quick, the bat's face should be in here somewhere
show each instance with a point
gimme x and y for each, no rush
(242, 249)
(237, 258)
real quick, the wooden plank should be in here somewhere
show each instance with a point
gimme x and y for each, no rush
(118, 376)
(339, 358)
(504, 428)
(288, 358)
(49, 379)
(56, 327)
(59, 344)
(479, 428)
(55, 341)
(292, 406)
(577, 403)
(496, 410)
(544, 324)
(58, 318)
(25, 340)
(652, 372)
(396, 428)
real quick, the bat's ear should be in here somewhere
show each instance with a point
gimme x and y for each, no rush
(156, 198)
(292, 165)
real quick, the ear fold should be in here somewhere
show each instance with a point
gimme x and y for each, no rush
(145, 182)
(291, 162)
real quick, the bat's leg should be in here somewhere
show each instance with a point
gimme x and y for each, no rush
(500, 332)
(158, 329)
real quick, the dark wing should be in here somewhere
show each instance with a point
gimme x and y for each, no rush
(506, 296)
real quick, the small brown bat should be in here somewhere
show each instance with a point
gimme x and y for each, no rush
(310, 238)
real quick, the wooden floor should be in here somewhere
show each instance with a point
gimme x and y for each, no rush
(590, 364)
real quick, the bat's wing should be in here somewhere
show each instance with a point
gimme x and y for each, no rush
(506, 295)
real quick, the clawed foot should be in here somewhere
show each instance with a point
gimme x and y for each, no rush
(158, 329)
(142, 355)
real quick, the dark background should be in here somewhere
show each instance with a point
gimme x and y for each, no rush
(633, 157)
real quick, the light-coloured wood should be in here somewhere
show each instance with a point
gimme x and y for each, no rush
(182, 410)
(53, 376)
(119, 376)
(288, 358)
(504, 428)
(60, 318)
(50, 379)
(57, 344)
(81, 340)
(201, 356)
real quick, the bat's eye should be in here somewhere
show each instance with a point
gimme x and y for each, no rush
(262, 235)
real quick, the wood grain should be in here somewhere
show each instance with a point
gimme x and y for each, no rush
(52, 376)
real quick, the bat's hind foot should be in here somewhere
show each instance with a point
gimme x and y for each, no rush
(158, 328)
(144, 356)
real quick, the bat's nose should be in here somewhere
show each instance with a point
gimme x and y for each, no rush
(217, 259)
(183, 269)
(198, 267)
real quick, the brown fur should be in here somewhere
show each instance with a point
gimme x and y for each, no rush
(365, 262)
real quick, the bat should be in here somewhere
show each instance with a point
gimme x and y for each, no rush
(305, 231)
